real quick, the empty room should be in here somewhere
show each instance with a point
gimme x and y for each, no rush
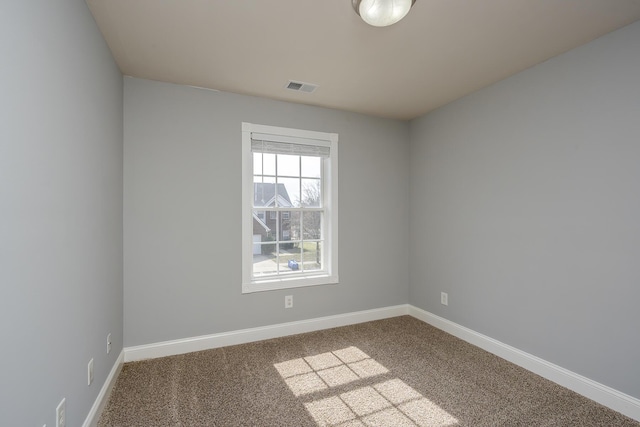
(337, 213)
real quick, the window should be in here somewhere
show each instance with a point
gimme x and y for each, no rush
(292, 175)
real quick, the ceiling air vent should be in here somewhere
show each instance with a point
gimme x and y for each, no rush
(301, 87)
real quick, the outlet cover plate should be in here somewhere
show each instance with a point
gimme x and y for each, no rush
(444, 298)
(90, 372)
(61, 414)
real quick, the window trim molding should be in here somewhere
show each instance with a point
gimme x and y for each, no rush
(330, 178)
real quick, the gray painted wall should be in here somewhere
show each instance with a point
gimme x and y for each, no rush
(60, 210)
(182, 209)
(525, 208)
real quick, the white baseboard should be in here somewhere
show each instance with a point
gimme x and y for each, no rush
(206, 342)
(101, 400)
(607, 396)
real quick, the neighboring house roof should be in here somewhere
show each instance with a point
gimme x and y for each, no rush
(261, 223)
(264, 194)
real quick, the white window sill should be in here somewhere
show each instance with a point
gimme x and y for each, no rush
(272, 284)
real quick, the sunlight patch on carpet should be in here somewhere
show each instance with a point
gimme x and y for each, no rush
(387, 403)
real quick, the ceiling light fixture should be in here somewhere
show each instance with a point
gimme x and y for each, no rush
(381, 13)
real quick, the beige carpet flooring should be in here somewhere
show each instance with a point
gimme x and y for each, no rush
(395, 372)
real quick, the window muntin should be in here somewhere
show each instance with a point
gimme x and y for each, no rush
(292, 175)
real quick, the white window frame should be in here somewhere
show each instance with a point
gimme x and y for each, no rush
(329, 274)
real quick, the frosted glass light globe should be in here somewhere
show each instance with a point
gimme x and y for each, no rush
(381, 13)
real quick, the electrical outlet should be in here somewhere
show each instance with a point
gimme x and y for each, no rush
(444, 298)
(288, 301)
(109, 343)
(90, 372)
(61, 414)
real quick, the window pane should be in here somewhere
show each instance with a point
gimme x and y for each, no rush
(311, 167)
(264, 262)
(257, 163)
(264, 229)
(264, 191)
(268, 164)
(312, 225)
(285, 227)
(290, 258)
(294, 224)
(311, 193)
(288, 165)
(312, 256)
(289, 190)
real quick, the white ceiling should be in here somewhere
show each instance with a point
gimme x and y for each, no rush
(443, 50)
